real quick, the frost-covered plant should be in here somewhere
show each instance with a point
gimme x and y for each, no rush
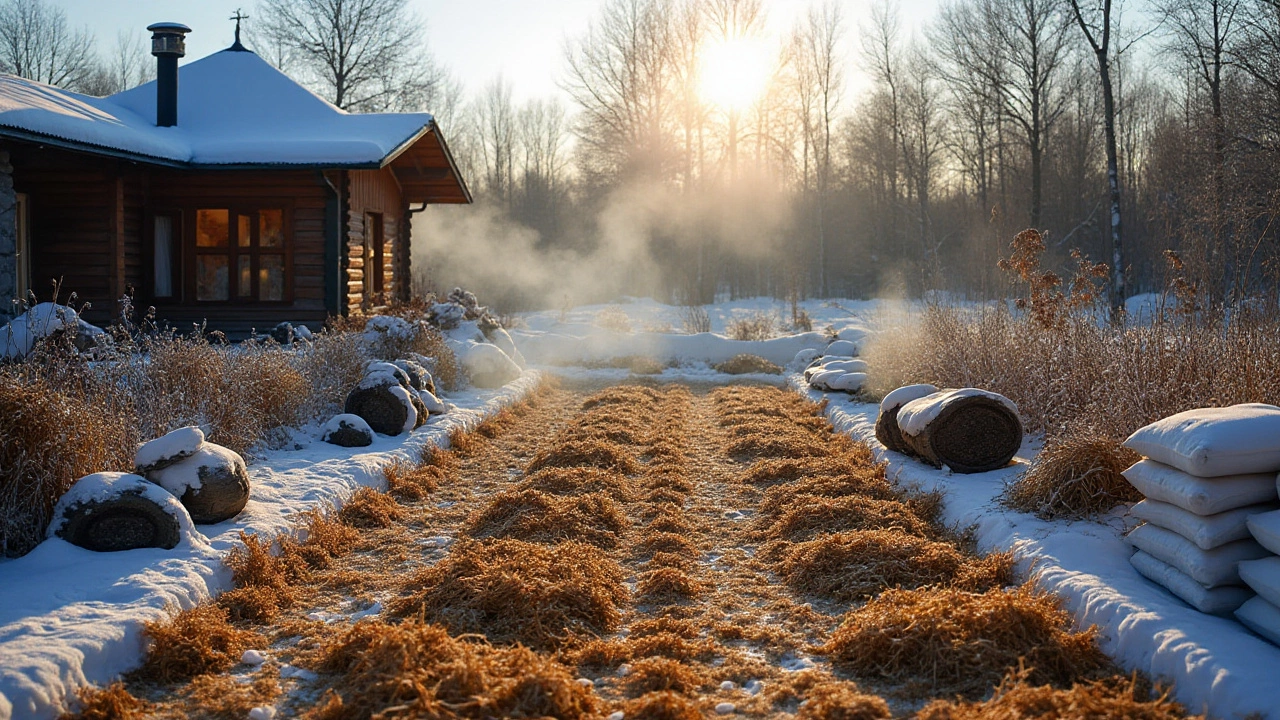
(695, 319)
(758, 325)
(614, 318)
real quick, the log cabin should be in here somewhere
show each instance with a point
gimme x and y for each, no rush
(222, 192)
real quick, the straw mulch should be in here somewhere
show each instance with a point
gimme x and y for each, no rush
(623, 395)
(745, 363)
(767, 472)
(662, 706)
(586, 453)
(782, 443)
(410, 482)
(515, 591)
(943, 641)
(653, 543)
(667, 585)
(265, 583)
(655, 674)
(226, 696)
(538, 517)
(369, 508)
(779, 499)
(110, 703)
(811, 515)
(1075, 476)
(580, 481)
(841, 701)
(417, 670)
(193, 642)
(1129, 698)
(854, 565)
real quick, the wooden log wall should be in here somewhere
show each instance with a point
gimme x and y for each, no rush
(372, 191)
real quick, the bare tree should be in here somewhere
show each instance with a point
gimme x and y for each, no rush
(497, 127)
(126, 66)
(37, 43)
(362, 55)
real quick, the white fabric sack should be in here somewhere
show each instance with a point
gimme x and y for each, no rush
(1206, 531)
(1210, 568)
(848, 382)
(849, 366)
(1265, 528)
(916, 415)
(1212, 442)
(904, 395)
(1201, 496)
(822, 380)
(1261, 617)
(1263, 576)
(1215, 601)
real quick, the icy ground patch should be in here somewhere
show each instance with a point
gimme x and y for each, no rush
(1218, 667)
(70, 617)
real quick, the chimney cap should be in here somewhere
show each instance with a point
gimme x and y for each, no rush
(168, 27)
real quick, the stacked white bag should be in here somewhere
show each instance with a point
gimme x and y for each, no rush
(1207, 474)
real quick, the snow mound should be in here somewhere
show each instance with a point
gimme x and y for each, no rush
(841, 348)
(20, 336)
(486, 364)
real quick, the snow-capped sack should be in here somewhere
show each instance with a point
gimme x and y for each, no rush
(1261, 617)
(1202, 496)
(841, 348)
(113, 511)
(1265, 528)
(1214, 601)
(887, 430)
(848, 382)
(213, 484)
(916, 415)
(433, 404)
(1211, 568)
(903, 395)
(1206, 531)
(168, 449)
(1263, 576)
(1214, 442)
(849, 366)
(804, 357)
(347, 430)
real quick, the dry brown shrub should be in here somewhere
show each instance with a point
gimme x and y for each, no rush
(49, 438)
(662, 706)
(781, 444)
(659, 673)
(110, 703)
(264, 582)
(418, 670)
(580, 481)
(437, 457)
(842, 701)
(661, 542)
(744, 363)
(667, 585)
(588, 453)
(514, 591)
(856, 565)
(193, 642)
(1075, 476)
(333, 363)
(409, 482)
(223, 697)
(942, 641)
(811, 515)
(535, 516)
(758, 325)
(369, 508)
(1117, 697)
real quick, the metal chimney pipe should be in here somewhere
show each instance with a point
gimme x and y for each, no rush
(168, 43)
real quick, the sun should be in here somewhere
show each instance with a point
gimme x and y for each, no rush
(734, 72)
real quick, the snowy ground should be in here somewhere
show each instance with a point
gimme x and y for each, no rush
(71, 617)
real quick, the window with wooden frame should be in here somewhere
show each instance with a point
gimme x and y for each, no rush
(240, 255)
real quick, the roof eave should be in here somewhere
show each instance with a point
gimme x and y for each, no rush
(429, 128)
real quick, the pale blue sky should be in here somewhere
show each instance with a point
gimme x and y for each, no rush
(478, 39)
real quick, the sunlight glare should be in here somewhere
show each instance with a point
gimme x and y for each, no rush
(735, 72)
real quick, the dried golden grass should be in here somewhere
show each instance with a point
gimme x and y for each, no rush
(586, 453)
(1075, 476)
(410, 482)
(612, 653)
(110, 703)
(779, 499)
(682, 562)
(369, 508)
(942, 641)
(580, 481)
(514, 591)
(465, 444)
(325, 538)
(620, 434)
(858, 564)
(534, 516)
(652, 543)
(417, 670)
(193, 642)
(744, 363)
(655, 674)
(264, 582)
(810, 515)
(623, 395)
(667, 585)
(666, 499)
(842, 701)
(670, 478)
(665, 625)
(773, 471)
(670, 521)
(1118, 697)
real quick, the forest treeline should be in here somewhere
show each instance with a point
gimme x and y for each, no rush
(877, 158)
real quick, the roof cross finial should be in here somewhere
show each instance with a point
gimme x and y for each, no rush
(238, 17)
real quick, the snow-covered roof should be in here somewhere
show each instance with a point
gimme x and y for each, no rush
(234, 109)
